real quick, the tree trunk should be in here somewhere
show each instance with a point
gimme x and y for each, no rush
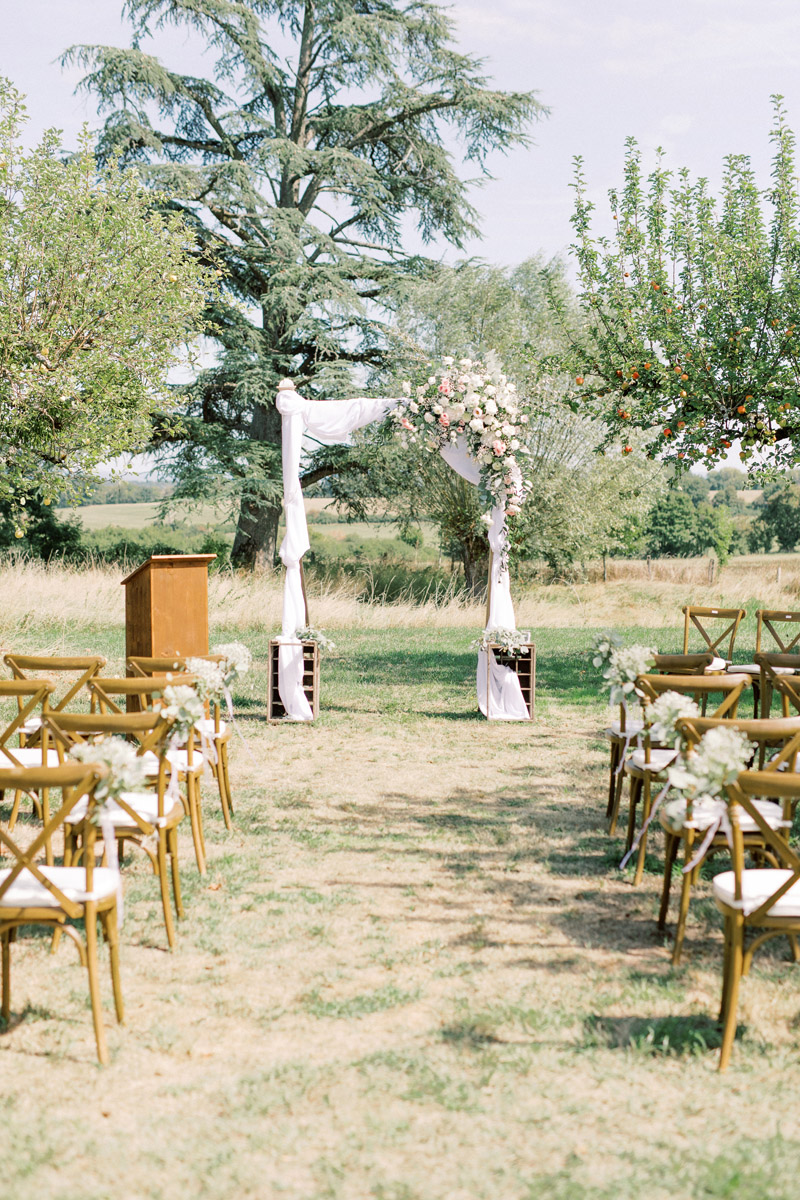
(476, 574)
(256, 542)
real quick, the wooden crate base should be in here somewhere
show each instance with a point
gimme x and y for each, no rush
(275, 709)
(524, 666)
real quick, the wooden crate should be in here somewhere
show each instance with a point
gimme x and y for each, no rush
(275, 709)
(524, 666)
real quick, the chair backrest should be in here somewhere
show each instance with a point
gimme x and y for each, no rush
(787, 686)
(683, 664)
(141, 665)
(768, 618)
(770, 785)
(730, 686)
(30, 694)
(75, 781)
(147, 689)
(699, 617)
(764, 732)
(27, 666)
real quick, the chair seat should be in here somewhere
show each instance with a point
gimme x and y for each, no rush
(704, 813)
(758, 884)
(755, 669)
(32, 725)
(178, 758)
(631, 729)
(660, 759)
(206, 726)
(27, 756)
(27, 892)
(716, 665)
(145, 804)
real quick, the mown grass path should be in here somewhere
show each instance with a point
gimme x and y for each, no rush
(413, 972)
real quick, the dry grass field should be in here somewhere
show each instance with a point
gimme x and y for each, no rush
(413, 971)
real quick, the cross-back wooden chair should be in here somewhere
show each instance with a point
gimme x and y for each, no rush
(649, 762)
(621, 733)
(782, 734)
(774, 667)
(695, 615)
(139, 818)
(763, 899)
(32, 666)
(32, 698)
(213, 727)
(108, 695)
(779, 648)
(32, 893)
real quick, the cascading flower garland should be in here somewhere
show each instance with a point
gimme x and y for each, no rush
(474, 401)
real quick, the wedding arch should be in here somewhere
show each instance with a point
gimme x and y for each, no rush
(422, 413)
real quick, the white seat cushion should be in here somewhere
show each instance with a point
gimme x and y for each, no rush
(716, 664)
(631, 729)
(757, 886)
(178, 758)
(145, 804)
(27, 892)
(659, 759)
(206, 726)
(704, 813)
(31, 725)
(755, 669)
(29, 756)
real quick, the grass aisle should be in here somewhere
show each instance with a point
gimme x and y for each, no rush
(412, 973)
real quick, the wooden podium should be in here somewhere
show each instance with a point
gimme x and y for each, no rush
(166, 606)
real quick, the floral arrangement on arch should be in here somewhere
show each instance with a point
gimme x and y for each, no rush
(477, 402)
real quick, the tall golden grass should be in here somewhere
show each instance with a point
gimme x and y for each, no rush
(634, 594)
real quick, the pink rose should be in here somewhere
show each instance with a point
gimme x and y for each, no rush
(404, 421)
(444, 420)
(444, 387)
(499, 447)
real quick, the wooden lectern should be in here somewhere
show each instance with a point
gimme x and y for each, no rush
(166, 606)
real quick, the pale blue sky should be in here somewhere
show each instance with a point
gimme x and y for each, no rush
(694, 76)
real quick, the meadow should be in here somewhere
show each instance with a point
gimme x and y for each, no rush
(414, 970)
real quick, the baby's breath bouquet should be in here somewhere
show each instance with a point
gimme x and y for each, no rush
(182, 706)
(664, 713)
(701, 776)
(125, 768)
(511, 641)
(309, 634)
(237, 661)
(603, 646)
(209, 678)
(622, 667)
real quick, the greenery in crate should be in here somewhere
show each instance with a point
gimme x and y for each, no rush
(513, 642)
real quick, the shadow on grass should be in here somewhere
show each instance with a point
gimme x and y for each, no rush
(666, 1037)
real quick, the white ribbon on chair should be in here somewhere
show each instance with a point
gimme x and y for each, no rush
(333, 421)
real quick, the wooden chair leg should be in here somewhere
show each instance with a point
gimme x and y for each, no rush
(637, 876)
(618, 785)
(172, 845)
(94, 983)
(6, 1001)
(164, 882)
(223, 762)
(612, 778)
(112, 937)
(12, 820)
(195, 818)
(734, 975)
(636, 790)
(683, 909)
(222, 784)
(670, 854)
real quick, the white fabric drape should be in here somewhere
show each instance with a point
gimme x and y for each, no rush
(333, 421)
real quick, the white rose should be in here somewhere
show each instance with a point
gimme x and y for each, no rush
(466, 363)
(512, 387)
(437, 408)
(523, 419)
(490, 407)
(515, 444)
(406, 387)
(509, 461)
(458, 410)
(477, 424)
(413, 407)
(429, 418)
(448, 361)
(509, 430)
(431, 379)
(490, 389)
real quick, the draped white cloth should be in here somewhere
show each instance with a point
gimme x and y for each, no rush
(333, 421)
